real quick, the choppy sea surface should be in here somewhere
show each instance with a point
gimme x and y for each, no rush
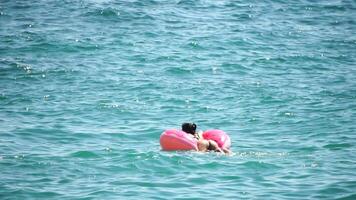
(87, 87)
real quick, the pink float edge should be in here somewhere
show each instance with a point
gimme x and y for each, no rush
(186, 142)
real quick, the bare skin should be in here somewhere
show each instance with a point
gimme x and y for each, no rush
(210, 145)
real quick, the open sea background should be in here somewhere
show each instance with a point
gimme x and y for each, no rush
(87, 87)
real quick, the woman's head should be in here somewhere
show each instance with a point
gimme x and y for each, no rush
(189, 128)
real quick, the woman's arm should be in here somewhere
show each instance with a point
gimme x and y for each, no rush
(227, 151)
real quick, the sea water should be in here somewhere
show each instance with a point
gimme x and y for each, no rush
(88, 86)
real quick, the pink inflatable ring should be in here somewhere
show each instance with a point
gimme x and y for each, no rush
(176, 140)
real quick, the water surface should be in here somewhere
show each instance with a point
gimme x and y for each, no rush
(87, 87)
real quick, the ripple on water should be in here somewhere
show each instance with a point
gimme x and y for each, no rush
(340, 146)
(84, 154)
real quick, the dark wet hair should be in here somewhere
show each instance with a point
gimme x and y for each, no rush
(189, 128)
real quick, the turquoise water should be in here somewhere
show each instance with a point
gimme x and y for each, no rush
(87, 87)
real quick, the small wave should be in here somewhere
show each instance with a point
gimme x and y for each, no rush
(242, 16)
(260, 165)
(194, 45)
(187, 2)
(84, 154)
(338, 146)
(25, 193)
(115, 14)
(306, 149)
(109, 12)
(349, 197)
(334, 8)
(106, 12)
(235, 68)
(145, 3)
(253, 154)
(178, 71)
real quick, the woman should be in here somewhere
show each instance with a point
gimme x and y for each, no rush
(203, 145)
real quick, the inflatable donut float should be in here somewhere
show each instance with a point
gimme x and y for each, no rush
(177, 140)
